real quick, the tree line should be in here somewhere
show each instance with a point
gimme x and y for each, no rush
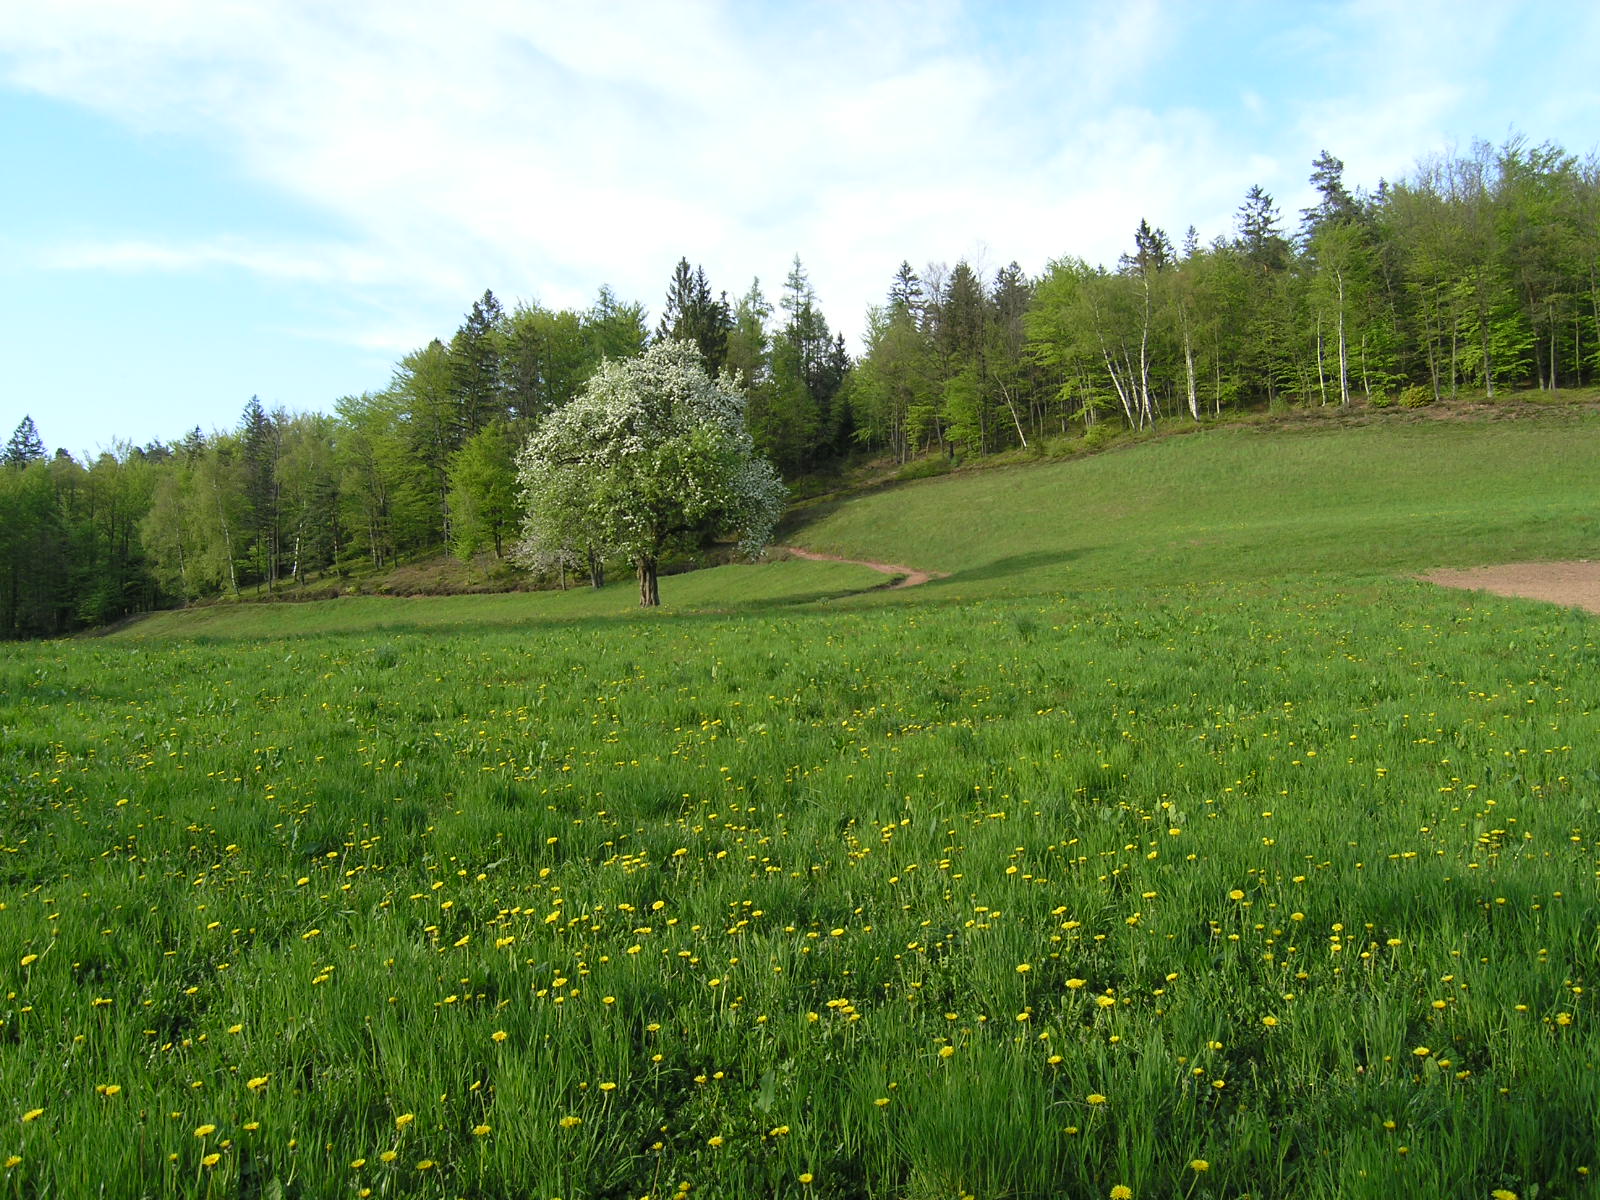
(1479, 273)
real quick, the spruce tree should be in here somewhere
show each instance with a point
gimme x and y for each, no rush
(25, 445)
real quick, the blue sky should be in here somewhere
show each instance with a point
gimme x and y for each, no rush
(208, 201)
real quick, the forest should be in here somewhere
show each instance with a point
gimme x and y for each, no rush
(1478, 274)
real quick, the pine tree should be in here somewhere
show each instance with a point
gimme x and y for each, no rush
(691, 315)
(25, 445)
(475, 369)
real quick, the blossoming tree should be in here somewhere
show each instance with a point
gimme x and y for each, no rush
(652, 456)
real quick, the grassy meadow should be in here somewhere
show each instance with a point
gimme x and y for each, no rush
(1176, 845)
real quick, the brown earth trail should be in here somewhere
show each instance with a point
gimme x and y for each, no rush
(909, 576)
(1571, 584)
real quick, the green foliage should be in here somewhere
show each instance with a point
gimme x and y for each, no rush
(652, 457)
(483, 493)
(25, 445)
(1415, 396)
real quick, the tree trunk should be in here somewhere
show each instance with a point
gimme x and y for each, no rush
(1344, 350)
(597, 570)
(1322, 378)
(649, 588)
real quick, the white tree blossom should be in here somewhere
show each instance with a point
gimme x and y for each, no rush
(652, 456)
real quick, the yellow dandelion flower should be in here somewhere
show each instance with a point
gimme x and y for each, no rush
(251, 1126)
(1121, 1192)
(1199, 1164)
(1236, 894)
(205, 1131)
(1269, 1022)
(211, 1160)
(256, 1084)
(1075, 984)
(404, 1119)
(882, 1101)
(33, 1114)
(425, 1164)
(499, 1035)
(571, 1122)
(235, 1028)
(14, 1161)
(714, 1141)
(1096, 1098)
(608, 1086)
(805, 1176)
(109, 1089)
(29, 959)
(389, 1156)
(1422, 1052)
(480, 1131)
(1503, 1194)
(357, 1163)
(946, 1051)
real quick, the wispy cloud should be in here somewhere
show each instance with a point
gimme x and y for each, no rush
(545, 148)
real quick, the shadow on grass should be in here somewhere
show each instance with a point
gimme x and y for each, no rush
(1012, 565)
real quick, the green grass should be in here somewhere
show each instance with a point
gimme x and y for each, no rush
(1244, 504)
(771, 864)
(728, 588)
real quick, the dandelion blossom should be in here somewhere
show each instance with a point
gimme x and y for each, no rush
(256, 1084)
(205, 1131)
(1121, 1192)
(404, 1119)
(33, 1114)
(1503, 1194)
(14, 1161)
(1096, 1098)
(570, 1122)
(211, 1160)
(480, 1131)
(499, 1035)
(1199, 1164)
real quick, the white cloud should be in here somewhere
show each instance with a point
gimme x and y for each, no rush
(543, 149)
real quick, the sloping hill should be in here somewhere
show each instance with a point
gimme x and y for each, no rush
(1242, 503)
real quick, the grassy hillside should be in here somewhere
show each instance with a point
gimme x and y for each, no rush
(1189, 853)
(1245, 503)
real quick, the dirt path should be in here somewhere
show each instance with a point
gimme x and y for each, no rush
(909, 576)
(1571, 584)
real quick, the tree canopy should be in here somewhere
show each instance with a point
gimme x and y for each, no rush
(651, 457)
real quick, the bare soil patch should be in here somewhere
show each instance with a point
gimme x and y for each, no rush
(908, 576)
(1570, 584)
